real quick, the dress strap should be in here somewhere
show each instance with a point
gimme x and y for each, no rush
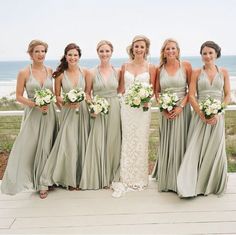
(81, 71)
(30, 69)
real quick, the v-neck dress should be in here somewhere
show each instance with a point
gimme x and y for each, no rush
(173, 133)
(204, 167)
(64, 164)
(32, 145)
(102, 159)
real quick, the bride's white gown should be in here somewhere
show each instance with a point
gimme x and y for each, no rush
(135, 138)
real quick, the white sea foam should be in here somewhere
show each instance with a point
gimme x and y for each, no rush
(7, 88)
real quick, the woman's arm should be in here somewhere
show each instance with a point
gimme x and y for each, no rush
(227, 96)
(89, 74)
(121, 86)
(58, 85)
(153, 73)
(192, 93)
(20, 87)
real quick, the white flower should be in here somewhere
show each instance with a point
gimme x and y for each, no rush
(137, 101)
(47, 99)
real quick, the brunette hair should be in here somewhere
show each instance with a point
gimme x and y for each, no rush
(212, 45)
(64, 65)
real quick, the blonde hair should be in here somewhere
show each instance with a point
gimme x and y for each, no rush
(136, 39)
(35, 43)
(162, 57)
(104, 42)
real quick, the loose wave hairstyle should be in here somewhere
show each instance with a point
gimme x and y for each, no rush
(162, 56)
(136, 39)
(63, 63)
(212, 45)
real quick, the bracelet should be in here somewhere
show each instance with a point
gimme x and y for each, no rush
(181, 106)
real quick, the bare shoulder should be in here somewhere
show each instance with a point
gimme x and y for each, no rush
(187, 65)
(49, 70)
(117, 69)
(123, 66)
(24, 73)
(84, 70)
(60, 77)
(196, 72)
(152, 67)
(224, 71)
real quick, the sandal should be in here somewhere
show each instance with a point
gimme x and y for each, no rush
(43, 194)
(71, 188)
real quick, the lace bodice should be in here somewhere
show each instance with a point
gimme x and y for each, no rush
(131, 78)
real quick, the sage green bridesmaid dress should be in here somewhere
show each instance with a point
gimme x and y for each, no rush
(102, 159)
(64, 164)
(204, 167)
(172, 133)
(32, 145)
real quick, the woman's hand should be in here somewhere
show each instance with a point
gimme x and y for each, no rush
(72, 105)
(213, 120)
(173, 113)
(93, 115)
(43, 109)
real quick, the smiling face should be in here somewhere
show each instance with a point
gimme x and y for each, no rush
(171, 51)
(139, 49)
(72, 57)
(104, 52)
(208, 55)
(38, 54)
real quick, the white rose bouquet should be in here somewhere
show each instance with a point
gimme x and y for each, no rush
(139, 94)
(44, 97)
(167, 101)
(211, 107)
(74, 96)
(99, 105)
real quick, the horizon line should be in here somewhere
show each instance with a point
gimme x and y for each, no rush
(96, 58)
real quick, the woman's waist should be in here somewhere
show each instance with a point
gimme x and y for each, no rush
(213, 94)
(106, 94)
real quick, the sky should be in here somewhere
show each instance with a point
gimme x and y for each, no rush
(86, 22)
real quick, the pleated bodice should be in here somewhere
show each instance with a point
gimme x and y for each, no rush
(33, 84)
(176, 83)
(214, 89)
(67, 85)
(106, 89)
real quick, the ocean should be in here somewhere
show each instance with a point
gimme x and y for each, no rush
(9, 70)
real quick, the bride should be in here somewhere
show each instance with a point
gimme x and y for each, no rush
(135, 122)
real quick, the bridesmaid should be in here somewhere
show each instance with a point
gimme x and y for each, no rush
(173, 75)
(34, 142)
(204, 167)
(64, 164)
(102, 158)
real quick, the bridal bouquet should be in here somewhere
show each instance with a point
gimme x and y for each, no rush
(99, 105)
(211, 107)
(167, 101)
(43, 97)
(74, 96)
(139, 94)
